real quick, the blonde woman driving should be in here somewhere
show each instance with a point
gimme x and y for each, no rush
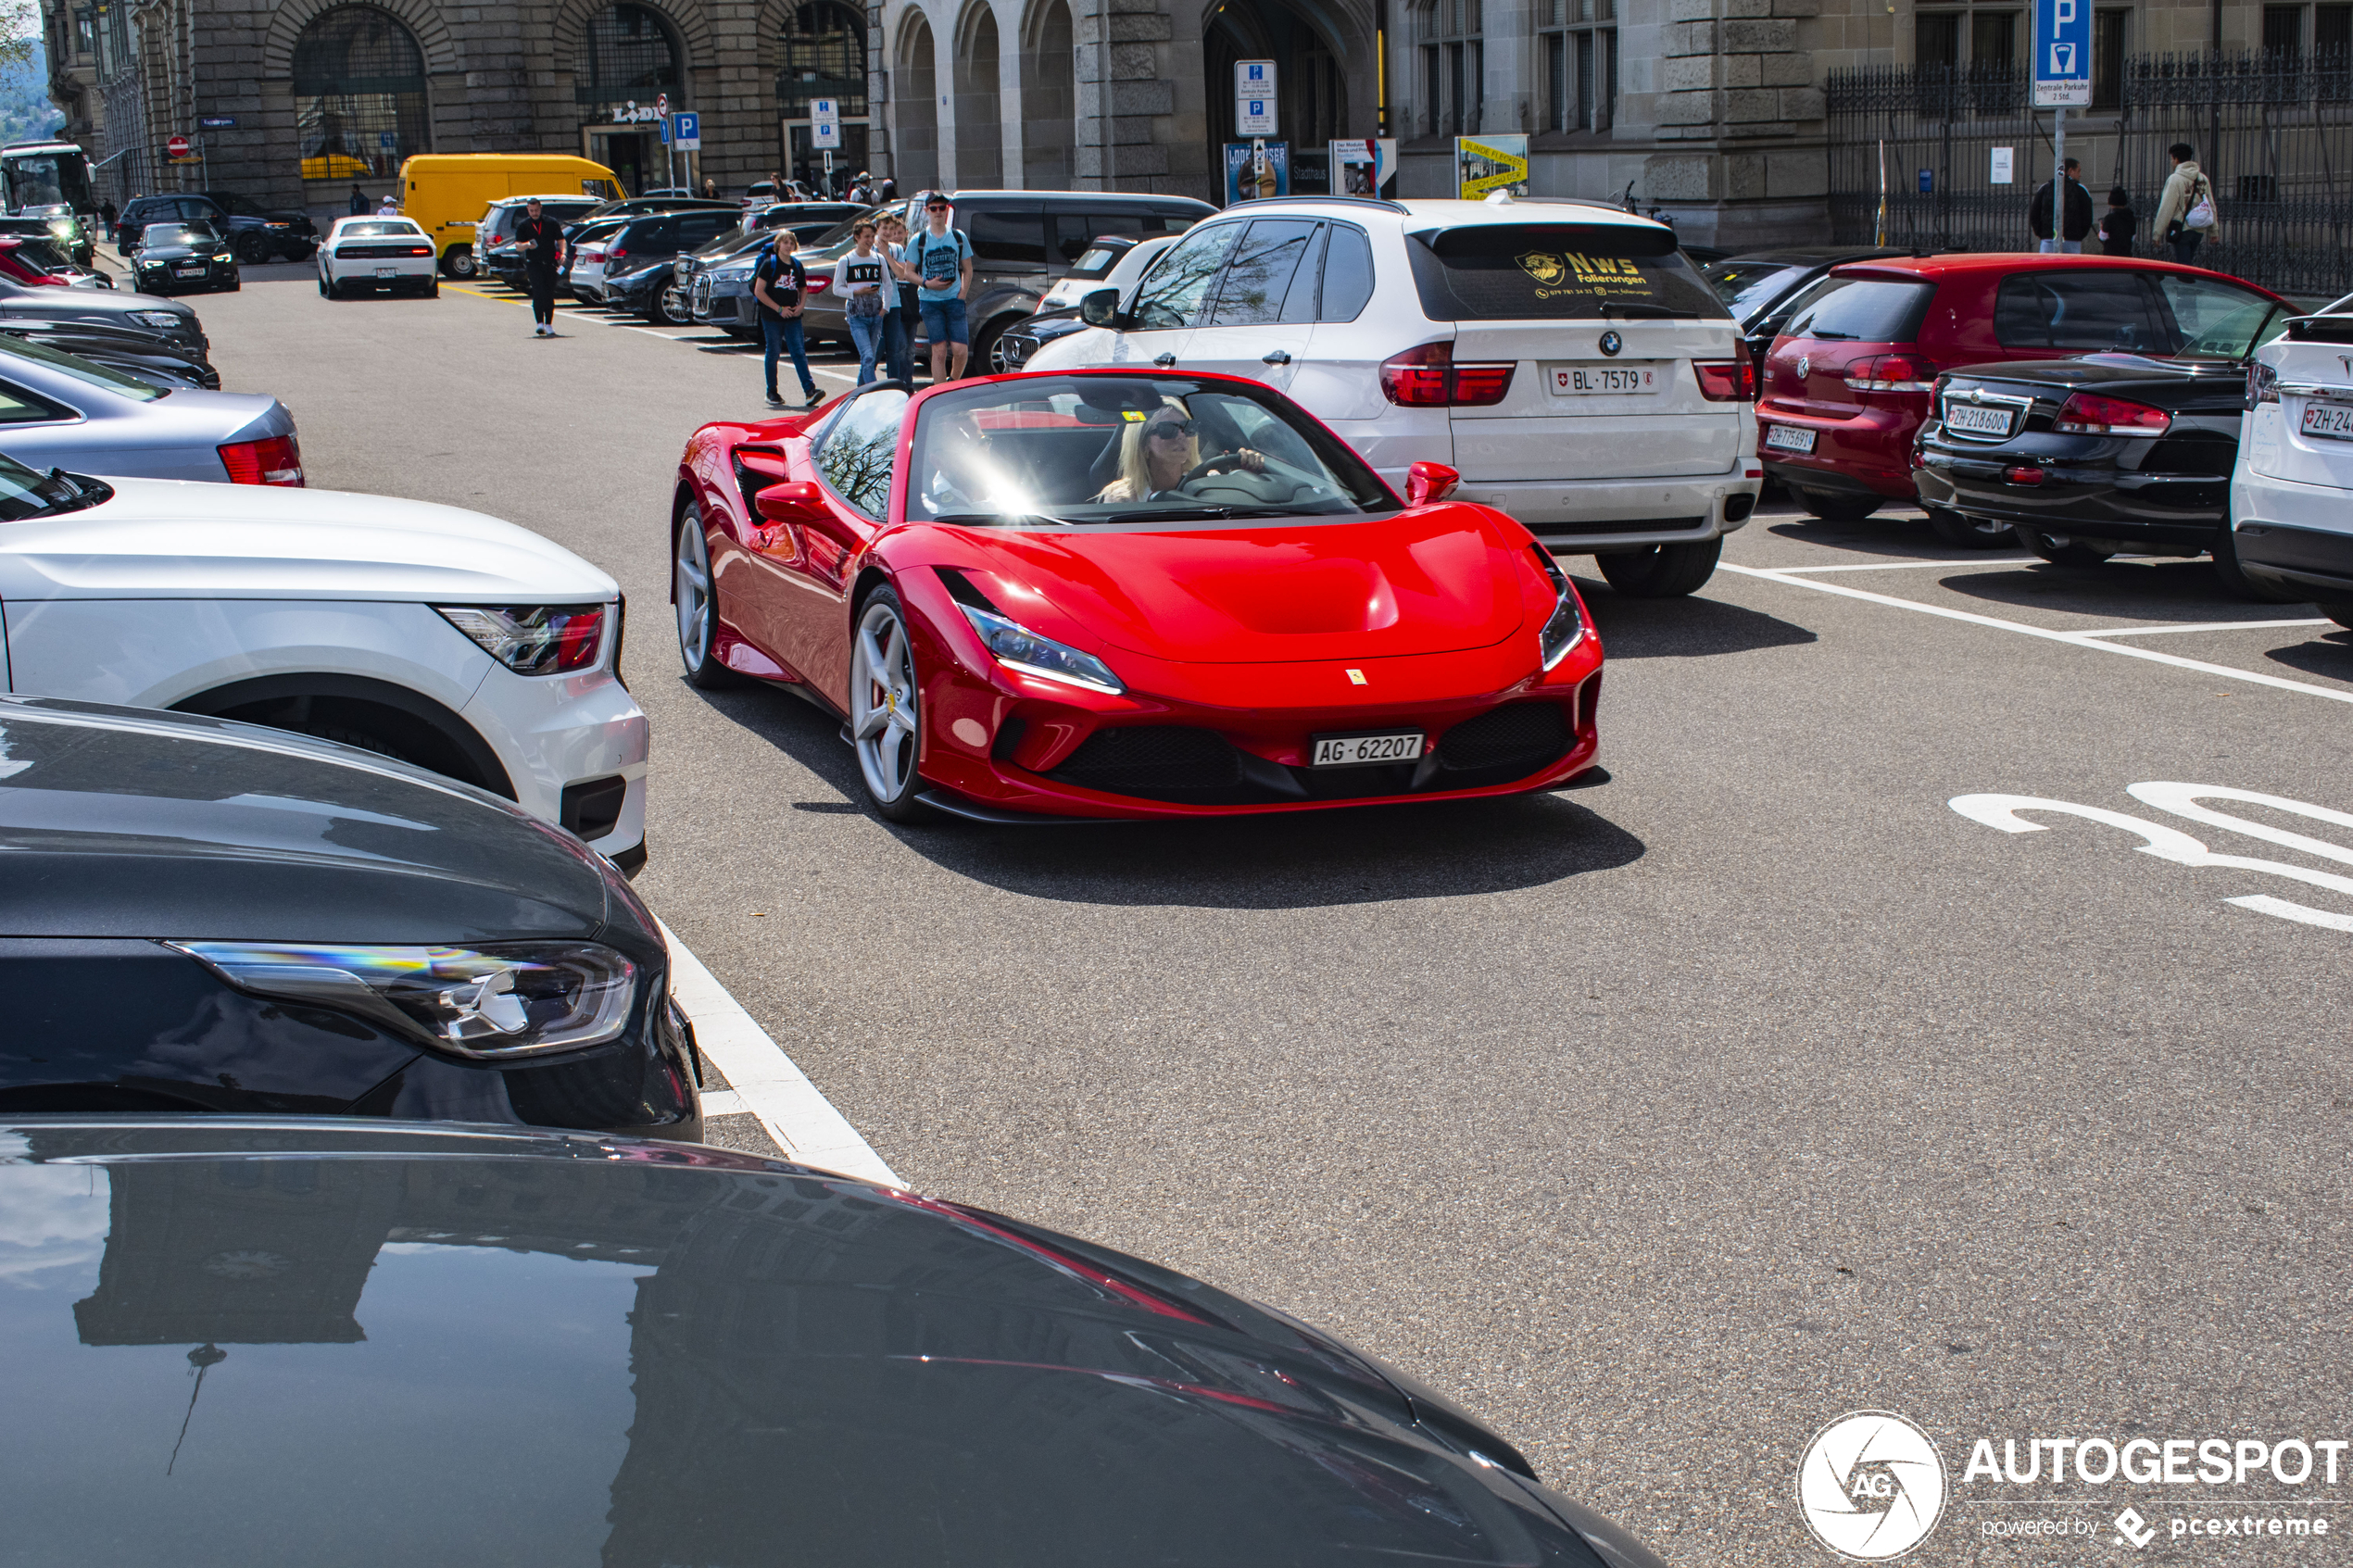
(1159, 452)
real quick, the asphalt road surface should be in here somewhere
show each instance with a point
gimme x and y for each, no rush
(1661, 1123)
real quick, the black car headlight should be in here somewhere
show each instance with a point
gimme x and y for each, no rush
(1566, 625)
(489, 1002)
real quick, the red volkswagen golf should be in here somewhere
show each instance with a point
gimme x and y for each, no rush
(1118, 593)
(1846, 385)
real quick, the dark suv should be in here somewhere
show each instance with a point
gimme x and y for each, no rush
(255, 232)
(640, 256)
(1021, 241)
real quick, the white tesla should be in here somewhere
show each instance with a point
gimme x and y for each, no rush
(441, 637)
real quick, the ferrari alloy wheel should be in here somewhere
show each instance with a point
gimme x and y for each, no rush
(1968, 532)
(2059, 549)
(697, 600)
(884, 723)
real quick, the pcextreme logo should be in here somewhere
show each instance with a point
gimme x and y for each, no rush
(1871, 1485)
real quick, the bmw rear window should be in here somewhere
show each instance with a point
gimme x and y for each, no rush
(1863, 310)
(1555, 271)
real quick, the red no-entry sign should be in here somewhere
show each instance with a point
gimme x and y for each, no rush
(178, 146)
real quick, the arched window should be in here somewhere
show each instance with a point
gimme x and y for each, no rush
(359, 94)
(631, 57)
(824, 57)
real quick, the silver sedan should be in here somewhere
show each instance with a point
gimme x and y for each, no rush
(58, 410)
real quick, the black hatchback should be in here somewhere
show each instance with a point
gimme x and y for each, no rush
(202, 915)
(182, 258)
(400, 1345)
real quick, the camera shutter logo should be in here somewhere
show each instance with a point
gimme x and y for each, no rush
(1871, 1485)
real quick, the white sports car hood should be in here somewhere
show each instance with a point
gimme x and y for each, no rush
(173, 539)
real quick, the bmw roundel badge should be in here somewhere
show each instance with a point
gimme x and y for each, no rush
(1611, 344)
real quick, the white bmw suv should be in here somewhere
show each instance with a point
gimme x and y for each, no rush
(1563, 357)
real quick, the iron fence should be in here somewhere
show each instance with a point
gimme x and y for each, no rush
(1912, 158)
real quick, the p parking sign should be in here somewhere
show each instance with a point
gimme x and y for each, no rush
(2062, 53)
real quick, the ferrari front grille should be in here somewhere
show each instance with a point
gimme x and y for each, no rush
(1152, 759)
(1521, 735)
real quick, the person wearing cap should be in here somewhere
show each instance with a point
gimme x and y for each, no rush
(943, 260)
(541, 240)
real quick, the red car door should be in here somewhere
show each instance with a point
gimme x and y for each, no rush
(850, 461)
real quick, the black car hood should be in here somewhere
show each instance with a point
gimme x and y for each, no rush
(124, 822)
(404, 1344)
(179, 253)
(2168, 383)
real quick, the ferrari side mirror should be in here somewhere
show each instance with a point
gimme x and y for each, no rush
(1427, 483)
(789, 502)
(1101, 309)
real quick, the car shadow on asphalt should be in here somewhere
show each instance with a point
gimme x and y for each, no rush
(2184, 591)
(2329, 656)
(1893, 534)
(1287, 860)
(1682, 628)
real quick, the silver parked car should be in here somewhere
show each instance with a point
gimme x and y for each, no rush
(59, 410)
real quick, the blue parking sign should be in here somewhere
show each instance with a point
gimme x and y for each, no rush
(2062, 53)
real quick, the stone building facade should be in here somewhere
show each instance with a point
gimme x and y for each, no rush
(1710, 110)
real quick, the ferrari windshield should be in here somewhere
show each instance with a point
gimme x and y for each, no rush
(1092, 450)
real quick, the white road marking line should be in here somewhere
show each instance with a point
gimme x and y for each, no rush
(2073, 639)
(763, 1079)
(2204, 626)
(1916, 565)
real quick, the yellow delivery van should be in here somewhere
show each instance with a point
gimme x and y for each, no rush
(447, 192)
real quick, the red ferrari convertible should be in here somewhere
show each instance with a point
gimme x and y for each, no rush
(1122, 593)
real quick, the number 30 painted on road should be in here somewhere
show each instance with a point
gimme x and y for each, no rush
(2171, 844)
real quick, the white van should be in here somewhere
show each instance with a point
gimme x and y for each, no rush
(1564, 356)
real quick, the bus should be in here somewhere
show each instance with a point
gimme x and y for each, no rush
(52, 180)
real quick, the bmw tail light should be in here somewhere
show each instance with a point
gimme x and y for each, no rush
(2087, 413)
(274, 459)
(1728, 380)
(1427, 377)
(534, 639)
(1892, 372)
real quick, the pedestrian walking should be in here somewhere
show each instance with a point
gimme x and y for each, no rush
(541, 240)
(860, 278)
(889, 188)
(943, 259)
(900, 320)
(358, 200)
(2118, 223)
(2185, 211)
(2074, 218)
(781, 285)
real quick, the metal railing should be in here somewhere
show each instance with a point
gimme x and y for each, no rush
(2273, 131)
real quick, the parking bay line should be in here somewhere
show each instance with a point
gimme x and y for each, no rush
(2073, 639)
(762, 1079)
(2203, 626)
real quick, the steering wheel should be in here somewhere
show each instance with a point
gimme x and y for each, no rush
(1198, 470)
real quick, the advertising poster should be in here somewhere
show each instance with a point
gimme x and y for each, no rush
(1487, 164)
(1364, 166)
(1256, 170)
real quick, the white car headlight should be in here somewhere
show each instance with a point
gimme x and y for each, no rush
(491, 1002)
(533, 640)
(1017, 648)
(155, 317)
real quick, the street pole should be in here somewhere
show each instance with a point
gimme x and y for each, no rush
(2058, 177)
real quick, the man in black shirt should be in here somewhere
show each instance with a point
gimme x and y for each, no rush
(541, 240)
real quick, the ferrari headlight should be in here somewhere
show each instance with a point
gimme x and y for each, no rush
(537, 640)
(1017, 648)
(155, 317)
(1560, 631)
(490, 1002)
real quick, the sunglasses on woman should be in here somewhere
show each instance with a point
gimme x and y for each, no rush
(1167, 430)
